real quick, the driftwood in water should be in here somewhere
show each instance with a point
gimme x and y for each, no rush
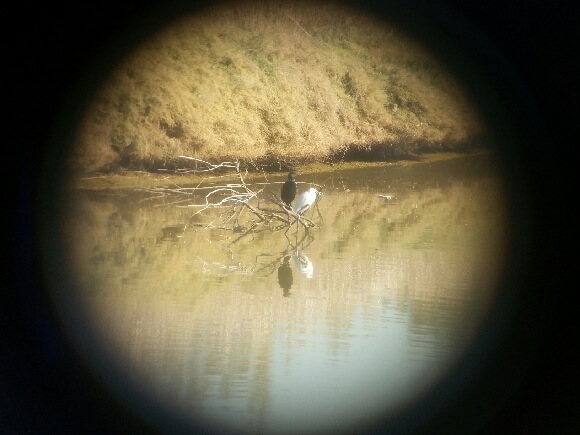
(239, 207)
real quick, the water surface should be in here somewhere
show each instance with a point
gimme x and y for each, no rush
(292, 331)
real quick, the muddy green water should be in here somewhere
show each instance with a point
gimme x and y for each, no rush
(288, 331)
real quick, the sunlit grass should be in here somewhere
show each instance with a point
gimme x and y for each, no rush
(285, 82)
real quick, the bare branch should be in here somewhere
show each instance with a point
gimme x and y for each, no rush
(208, 166)
(249, 208)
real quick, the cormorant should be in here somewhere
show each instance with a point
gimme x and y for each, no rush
(288, 192)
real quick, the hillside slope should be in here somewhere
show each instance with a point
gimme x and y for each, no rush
(276, 83)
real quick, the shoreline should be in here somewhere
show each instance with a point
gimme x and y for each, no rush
(130, 180)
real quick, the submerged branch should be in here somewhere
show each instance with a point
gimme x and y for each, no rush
(248, 210)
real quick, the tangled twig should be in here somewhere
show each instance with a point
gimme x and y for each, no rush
(265, 210)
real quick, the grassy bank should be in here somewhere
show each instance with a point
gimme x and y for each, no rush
(274, 85)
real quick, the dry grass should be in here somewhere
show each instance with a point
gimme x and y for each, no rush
(272, 82)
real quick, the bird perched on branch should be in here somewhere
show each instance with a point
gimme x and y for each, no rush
(305, 201)
(288, 192)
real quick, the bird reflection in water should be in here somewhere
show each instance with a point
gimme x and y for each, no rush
(303, 264)
(285, 278)
(300, 260)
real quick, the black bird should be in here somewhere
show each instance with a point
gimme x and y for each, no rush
(288, 190)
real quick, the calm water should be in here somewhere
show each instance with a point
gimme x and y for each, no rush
(289, 331)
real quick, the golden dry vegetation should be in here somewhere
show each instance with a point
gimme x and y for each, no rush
(273, 84)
